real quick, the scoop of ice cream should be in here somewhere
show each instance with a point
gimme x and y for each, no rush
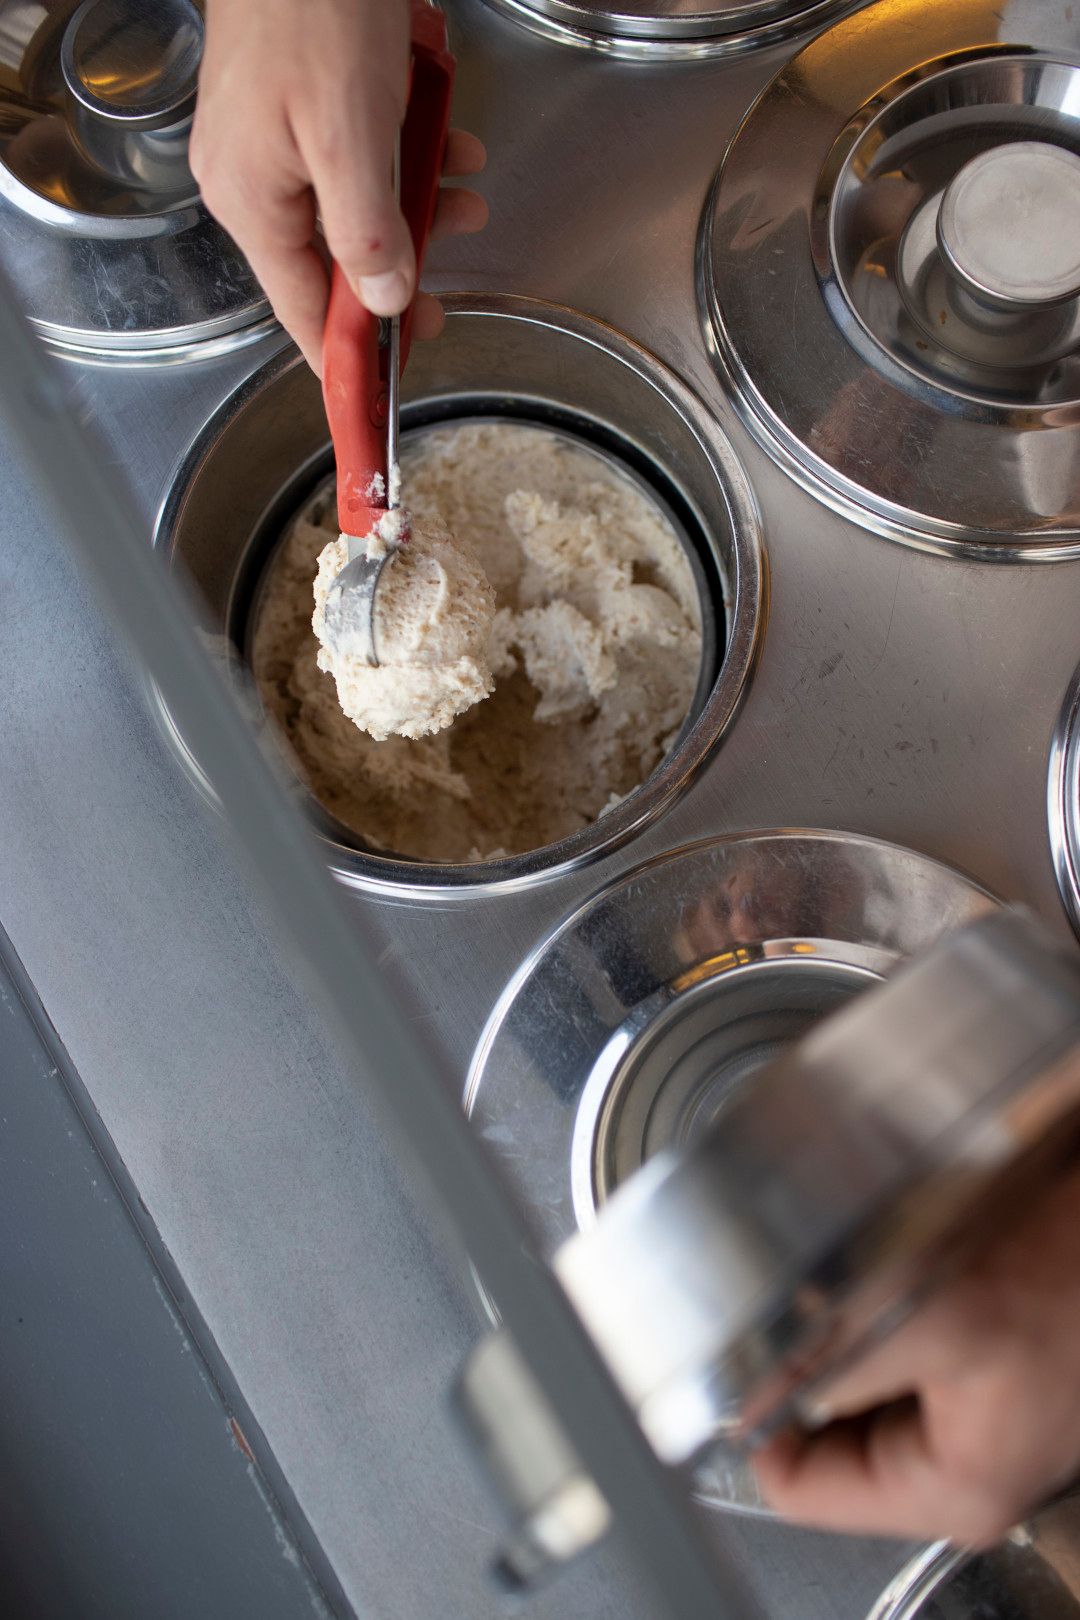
(432, 620)
(595, 649)
(566, 658)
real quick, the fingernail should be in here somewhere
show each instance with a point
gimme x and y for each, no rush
(385, 294)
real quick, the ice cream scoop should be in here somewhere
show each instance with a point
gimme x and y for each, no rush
(347, 617)
(362, 363)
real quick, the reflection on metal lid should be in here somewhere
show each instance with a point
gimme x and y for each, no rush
(103, 229)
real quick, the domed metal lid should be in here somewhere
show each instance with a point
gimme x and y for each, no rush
(104, 234)
(896, 302)
(672, 27)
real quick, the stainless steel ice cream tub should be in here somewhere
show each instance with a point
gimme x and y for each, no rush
(515, 360)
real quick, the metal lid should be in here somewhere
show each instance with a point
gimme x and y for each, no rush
(104, 234)
(658, 28)
(635, 1025)
(897, 304)
(1064, 801)
(1033, 1574)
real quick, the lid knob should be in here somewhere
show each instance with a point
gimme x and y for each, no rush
(134, 61)
(131, 71)
(1009, 227)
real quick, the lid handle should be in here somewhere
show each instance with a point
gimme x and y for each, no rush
(1009, 227)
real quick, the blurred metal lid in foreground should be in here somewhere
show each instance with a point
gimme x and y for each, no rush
(896, 304)
(725, 1285)
(105, 237)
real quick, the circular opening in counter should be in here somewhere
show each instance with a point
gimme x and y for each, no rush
(509, 365)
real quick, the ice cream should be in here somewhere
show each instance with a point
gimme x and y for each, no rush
(432, 618)
(595, 649)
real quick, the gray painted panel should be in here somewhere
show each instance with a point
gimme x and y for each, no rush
(127, 1486)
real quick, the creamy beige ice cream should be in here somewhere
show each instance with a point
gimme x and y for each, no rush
(595, 650)
(432, 621)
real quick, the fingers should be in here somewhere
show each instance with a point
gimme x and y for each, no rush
(351, 166)
(275, 229)
(988, 1425)
(296, 123)
(834, 1479)
(298, 287)
(364, 228)
(465, 155)
(935, 1338)
(882, 1476)
(458, 213)
(429, 319)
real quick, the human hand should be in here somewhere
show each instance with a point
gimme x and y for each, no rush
(969, 1416)
(299, 106)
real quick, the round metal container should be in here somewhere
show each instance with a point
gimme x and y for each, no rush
(632, 1028)
(897, 304)
(1063, 807)
(267, 448)
(652, 29)
(111, 251)
(1034, 1574)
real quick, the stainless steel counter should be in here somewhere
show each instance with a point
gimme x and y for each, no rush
(899, 694)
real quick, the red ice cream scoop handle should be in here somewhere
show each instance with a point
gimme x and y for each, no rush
(356, 388)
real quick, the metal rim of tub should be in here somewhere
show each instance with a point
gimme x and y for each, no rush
(933, 461)
(740, 548)
(654, 32)
(1063, 807)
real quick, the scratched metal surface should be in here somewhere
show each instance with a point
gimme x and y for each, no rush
(899, 694)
